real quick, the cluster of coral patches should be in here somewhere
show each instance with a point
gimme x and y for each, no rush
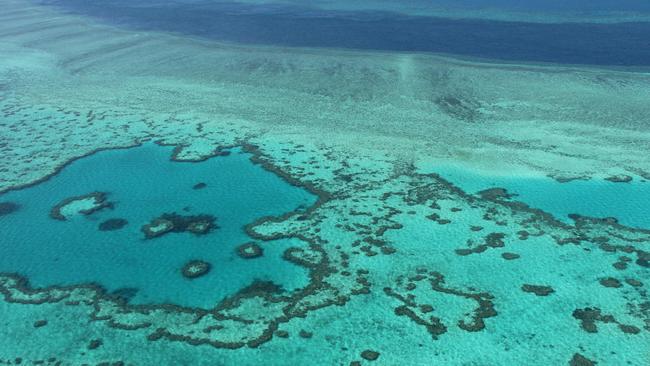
(589, 317)
(362, 203)
(627, 247)
(367, 201)
(80, 205)
(173, 222)
(419, 295)
(492, 240)
(248, 318)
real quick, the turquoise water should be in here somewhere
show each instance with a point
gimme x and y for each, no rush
(386, 265)
(144, 183)
(627, 202)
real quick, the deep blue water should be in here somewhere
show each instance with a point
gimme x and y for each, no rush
(540, 5)
(144, 183)
(618, 44)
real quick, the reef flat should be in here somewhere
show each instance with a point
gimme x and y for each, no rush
(412, 263)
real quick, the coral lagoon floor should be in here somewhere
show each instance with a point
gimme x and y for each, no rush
(178, 194)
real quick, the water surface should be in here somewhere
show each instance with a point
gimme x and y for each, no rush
(298, 25)
(144, 183)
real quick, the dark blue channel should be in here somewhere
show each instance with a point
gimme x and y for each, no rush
(617, 44)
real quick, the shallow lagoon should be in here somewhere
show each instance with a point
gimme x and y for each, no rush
(627, 202)
(144, 183)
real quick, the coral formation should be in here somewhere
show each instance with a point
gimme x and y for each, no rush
(85, 204)
(7, 208)
(112, 224)
(195, 268)
(173, 222)
(250, 250)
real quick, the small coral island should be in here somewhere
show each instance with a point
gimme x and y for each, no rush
(195, 268)
(250, 250)
(80, 205)
(173, 222)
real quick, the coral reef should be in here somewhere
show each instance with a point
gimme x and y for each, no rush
(250, 250)
(195, 268)
(173, 222)
(85, 204)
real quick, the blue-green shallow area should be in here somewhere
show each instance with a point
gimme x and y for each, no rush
(144, 183)
(627, 202)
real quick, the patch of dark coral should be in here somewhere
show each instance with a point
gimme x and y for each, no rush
(538, 290)
(250, 250)
(435, 217)
(195, 268)
(492, 240)
(112, 224)
(523, 234)
(620, 178)
(7, 208)
(94, 344)
(494, 194)
(610, 282)
(434, 325)
(369, 355)
(589, 317)
(510, 256)
(200, 185)
(629, 329)
(566, 178)
(633, 282)
(580, 360)
(173, 222)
